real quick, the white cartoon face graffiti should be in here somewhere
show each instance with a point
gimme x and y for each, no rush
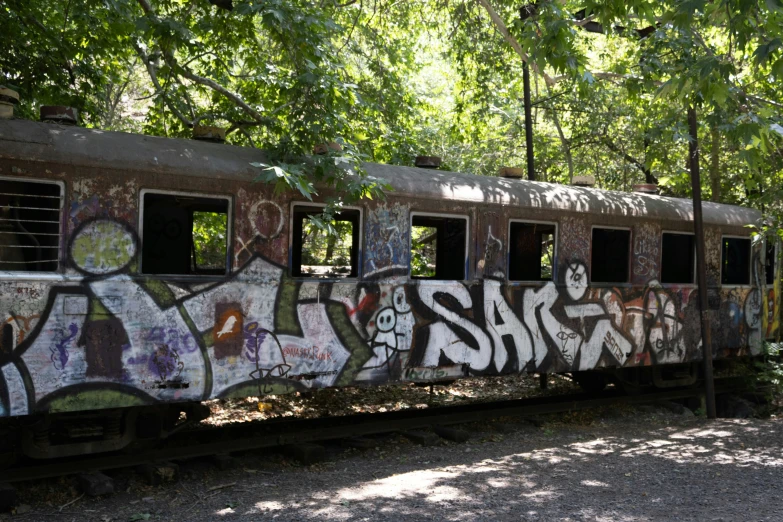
(385, 336)
(400, 302)
(385, 320)
(576, 280)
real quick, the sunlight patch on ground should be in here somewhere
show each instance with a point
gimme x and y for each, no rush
(692, 434)
(498, 483)
(596, 447)
(269, 505)
(595, 483)
(541, 496)
(406, 485)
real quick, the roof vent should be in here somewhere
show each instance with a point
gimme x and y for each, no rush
(209, 133)
(646, 188)
(511, 172)
(428, 162)
(583, 181)
(8, 98)
(59, 114)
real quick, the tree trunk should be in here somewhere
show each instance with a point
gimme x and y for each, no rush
(563, 142)
(715, 164)
(331, 242)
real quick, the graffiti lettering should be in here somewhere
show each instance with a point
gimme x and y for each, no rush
(314, 353)
(27, 291)
(432, 374)
(475, 349)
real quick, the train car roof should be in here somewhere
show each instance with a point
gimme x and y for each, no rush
(82, 147)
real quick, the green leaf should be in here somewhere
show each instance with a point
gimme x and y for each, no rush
(774, 5)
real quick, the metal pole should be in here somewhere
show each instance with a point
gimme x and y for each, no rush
(531, 172)
(701, 269)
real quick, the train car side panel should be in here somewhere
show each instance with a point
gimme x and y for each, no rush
(101, 333)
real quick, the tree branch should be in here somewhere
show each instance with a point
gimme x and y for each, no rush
(563, 140)
(168, 56)
(648, 175)
(503, 30)
(154, 78)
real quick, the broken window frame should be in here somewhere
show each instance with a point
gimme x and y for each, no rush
(57, 258)
(357, 248)
(627, 281)
(554, 251)
(414, 214)
(693, 271)
(750, 262)
(199, 195)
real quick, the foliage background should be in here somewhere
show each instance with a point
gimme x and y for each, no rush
(390, 80)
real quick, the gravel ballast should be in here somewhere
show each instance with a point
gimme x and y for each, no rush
(618, 464)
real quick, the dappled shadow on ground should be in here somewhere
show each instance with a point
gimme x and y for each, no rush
(617, 464)
(720, 470)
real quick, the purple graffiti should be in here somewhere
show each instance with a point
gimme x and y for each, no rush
(85, 209)
(176, 340)
(254, 338)
(165, 363)
(60, 352)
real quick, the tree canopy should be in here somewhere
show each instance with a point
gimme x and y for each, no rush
(389, 80)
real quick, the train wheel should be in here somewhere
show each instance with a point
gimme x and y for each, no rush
(9, 453)
(591, 382)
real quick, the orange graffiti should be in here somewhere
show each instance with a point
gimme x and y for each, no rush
(23, 325)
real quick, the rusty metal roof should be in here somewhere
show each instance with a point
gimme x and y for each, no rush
(515, 192)
(77, 146)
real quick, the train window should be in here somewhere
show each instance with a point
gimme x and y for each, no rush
(678, 254)
(438, 247)
(184, 234)
(315, 252)
(610, 256)
(29, 225)
(769, 261)
(531, 251)
(735, 261)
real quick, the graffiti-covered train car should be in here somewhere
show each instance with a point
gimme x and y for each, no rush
(139, 271)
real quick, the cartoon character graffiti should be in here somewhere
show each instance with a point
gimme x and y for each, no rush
(391, 340)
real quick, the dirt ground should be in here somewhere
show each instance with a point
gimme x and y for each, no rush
(617, 464)
(347, 401)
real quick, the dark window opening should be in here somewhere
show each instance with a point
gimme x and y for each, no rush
(770, 262)
(735, 261)
(677, 258)
(438, 247)
(184, 235)
(610, 257)
(29, 226)
(531, 251)
(318, 253)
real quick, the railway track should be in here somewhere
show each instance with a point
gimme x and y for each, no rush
(201, 442)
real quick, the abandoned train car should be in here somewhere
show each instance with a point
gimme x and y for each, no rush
(108, 300)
